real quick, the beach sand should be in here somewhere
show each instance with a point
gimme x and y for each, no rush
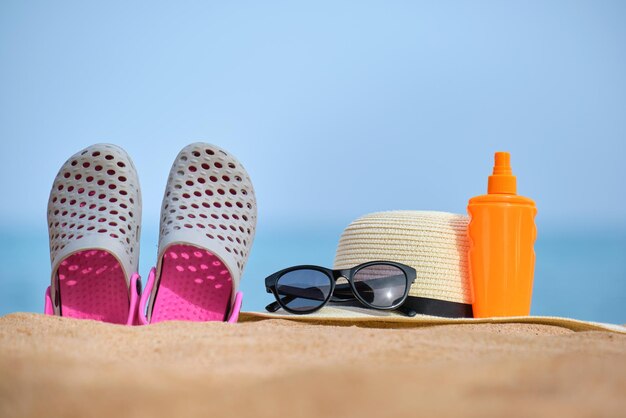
(59, 367)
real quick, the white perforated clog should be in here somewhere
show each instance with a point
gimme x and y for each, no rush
(94, 217)
(208, 221)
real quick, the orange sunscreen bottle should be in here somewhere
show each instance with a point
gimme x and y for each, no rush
(502, 235)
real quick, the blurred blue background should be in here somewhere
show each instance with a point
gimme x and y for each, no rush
(336, 109)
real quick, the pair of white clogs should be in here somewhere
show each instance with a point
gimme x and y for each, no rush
(207, 225)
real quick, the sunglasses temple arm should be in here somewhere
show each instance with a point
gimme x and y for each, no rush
(407, 311)
(343, 292)
(309, 293)
(273, 307)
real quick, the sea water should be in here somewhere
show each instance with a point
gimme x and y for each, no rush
(578, 275)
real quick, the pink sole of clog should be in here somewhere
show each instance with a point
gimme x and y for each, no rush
(195, 286)
(92, 286)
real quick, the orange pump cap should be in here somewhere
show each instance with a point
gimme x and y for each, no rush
(502, 181)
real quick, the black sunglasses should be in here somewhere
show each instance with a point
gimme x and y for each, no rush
(305, 289)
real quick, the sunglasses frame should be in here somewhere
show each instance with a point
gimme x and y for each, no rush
(409, 273)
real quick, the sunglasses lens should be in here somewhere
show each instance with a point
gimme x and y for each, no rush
(381, 285)
(303, 290)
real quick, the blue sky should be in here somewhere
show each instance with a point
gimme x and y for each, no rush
(336, 109)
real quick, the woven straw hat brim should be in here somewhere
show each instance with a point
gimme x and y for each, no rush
(435, 244)
(346, 316)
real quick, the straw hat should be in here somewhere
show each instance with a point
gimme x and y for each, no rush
(435, 244)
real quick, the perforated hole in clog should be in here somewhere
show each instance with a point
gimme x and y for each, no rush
(195, 286)
(92, 286)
